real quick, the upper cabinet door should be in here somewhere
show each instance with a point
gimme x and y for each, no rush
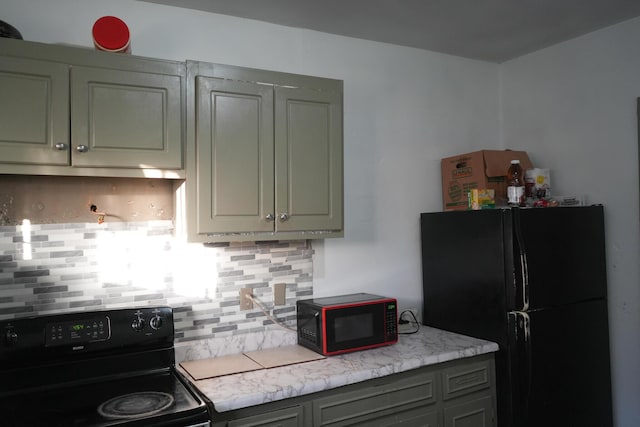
(34, 112)
(125, 119)
(309, 171)
(234, 156)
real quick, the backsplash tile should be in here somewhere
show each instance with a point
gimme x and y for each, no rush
(57, 268)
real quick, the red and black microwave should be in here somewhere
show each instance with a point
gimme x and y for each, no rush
(346, 323)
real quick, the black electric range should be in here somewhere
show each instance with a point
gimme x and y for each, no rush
(95, 369)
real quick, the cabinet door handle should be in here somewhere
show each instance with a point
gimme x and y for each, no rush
(82, 148)
(60, 146)
(269, 217)
(284, 216)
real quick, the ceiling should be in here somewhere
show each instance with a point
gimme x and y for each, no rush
(489, 30)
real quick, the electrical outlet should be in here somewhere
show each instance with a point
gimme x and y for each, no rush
(279, 294)
(245, 301)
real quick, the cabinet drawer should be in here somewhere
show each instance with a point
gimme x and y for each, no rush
(421, 416)
(288, 417)
(460, 380)
(375, 402)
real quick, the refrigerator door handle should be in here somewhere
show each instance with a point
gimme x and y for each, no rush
(523, 334)
(525, 280)
(524, 270)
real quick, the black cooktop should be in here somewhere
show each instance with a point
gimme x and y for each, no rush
(79, 405)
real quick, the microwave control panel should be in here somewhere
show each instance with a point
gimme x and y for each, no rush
(309, 325)
(391, 321)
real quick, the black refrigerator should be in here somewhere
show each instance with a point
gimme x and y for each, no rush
(533, 281)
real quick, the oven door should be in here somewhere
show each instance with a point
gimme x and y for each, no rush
(84, 405)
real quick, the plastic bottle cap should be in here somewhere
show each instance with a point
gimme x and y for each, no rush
(111, 34)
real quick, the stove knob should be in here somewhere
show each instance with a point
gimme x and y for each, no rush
(11, 338)
(155, 322)
(138, 324)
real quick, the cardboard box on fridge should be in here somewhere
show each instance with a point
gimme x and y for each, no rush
(484, 169)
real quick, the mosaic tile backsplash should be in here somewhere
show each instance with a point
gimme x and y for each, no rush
(58, 268)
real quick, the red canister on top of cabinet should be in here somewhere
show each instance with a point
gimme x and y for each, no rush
(111, 34)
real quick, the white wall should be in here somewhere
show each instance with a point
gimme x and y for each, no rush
(573, 108)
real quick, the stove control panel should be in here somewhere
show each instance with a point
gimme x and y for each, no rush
(24, 339)
(78, 331)
(56, 351)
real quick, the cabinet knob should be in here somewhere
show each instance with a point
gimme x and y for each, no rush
(284, 216)
(82, 148)
(269, 217)
(60, 146)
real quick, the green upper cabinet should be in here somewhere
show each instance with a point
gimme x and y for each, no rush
(234, 156)
(308, 159)
(34, 112)
(268, 155)
(73, 111)
(125, 119)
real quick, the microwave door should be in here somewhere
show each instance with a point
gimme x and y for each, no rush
(354, 328)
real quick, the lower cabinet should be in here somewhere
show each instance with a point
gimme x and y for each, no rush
(477, 412)
(287, 417)
(278, 414)
(377, 404)
(451, 394)
(458, 382)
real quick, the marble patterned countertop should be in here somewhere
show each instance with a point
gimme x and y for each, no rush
(427, 347)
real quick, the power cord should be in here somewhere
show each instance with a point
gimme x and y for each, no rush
(414, 322)
(270, 317)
